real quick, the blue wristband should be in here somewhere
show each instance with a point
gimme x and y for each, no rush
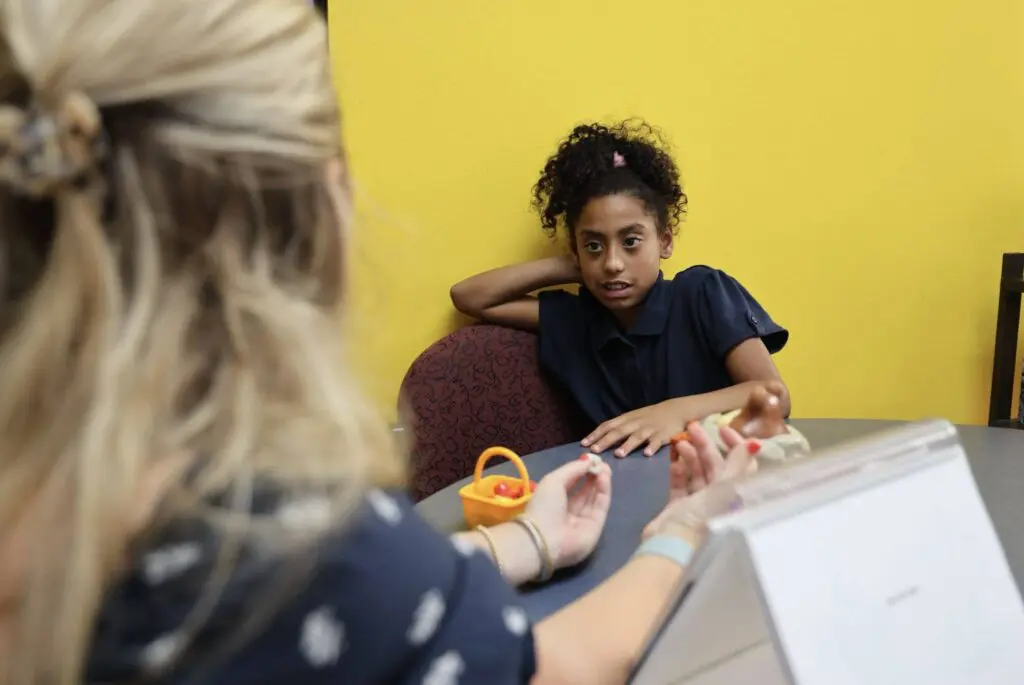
(669, 546)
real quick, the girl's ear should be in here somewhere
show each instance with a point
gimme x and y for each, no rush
(667, 241)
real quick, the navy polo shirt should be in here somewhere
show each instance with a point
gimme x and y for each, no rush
(677, 346)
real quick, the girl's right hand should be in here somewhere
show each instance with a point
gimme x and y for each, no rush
(568, 270)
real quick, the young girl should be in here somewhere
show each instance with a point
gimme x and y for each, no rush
(642, 355)
(191, 489)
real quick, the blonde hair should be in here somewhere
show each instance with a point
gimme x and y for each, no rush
(171, 281)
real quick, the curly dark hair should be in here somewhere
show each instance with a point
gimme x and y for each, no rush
(597, 160)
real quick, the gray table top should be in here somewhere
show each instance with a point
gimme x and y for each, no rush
(639, 492)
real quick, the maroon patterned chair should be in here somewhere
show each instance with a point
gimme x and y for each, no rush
(476, 388)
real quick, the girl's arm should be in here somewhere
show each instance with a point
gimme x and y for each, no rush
(749, 365)
(502, 296)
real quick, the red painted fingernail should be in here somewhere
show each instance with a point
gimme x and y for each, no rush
(584, 457)
(753, 447)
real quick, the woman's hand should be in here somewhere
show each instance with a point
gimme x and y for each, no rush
(572, 522)
(697, 463)
(700, 462)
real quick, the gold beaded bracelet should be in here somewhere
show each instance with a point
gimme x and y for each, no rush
(493, 547)
(547, 564)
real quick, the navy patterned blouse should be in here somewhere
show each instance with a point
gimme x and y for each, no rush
(387, 600)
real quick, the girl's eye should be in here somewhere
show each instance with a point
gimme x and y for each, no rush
(592, 246)
(631, 241)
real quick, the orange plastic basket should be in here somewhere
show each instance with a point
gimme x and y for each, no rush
(480, 504)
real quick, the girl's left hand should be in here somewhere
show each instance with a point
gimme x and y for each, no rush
(651, 426)
(572, 522)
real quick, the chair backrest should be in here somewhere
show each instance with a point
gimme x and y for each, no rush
(479, 387)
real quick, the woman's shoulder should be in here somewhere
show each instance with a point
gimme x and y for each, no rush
(384, 590)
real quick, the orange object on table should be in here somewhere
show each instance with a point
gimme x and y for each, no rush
(673, 453)
(481, 506)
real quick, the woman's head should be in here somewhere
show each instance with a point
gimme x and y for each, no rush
(170, 284)
(616, 191)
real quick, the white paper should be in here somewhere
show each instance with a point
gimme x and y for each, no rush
(879, 566)
(908, 585)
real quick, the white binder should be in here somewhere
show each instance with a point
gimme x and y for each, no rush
(874, 563)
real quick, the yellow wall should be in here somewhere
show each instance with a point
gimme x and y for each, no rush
(858, 165)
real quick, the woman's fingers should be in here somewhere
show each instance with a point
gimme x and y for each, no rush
(740, 460)
(710, 457)
(595, 491)
(593, 501)
(696, 478)
(680, 469)
(730, 437)
(569, 473)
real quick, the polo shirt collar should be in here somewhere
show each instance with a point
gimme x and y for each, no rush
(651, 315)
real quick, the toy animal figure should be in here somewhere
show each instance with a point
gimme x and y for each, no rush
(761, 418)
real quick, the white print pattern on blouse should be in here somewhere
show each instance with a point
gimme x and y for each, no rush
(308, 513)
(161, 652)
(167, 562)
(323, 638)
(445, 670)
(427, 617)
(463, 546)
(515, 620)
(385, 506)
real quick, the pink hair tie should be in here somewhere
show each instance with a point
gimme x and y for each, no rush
(618, 160)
